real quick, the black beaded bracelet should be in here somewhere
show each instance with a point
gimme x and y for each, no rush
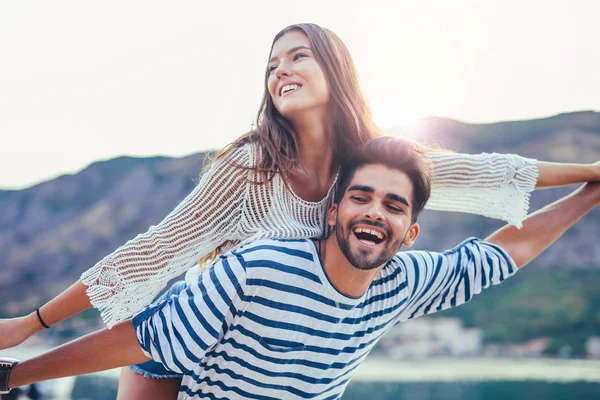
(41, 320)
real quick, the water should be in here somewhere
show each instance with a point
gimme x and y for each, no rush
(105, 388)
(381, 379)
(497, 390)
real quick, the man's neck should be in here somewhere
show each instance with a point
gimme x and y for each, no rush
(346, 278)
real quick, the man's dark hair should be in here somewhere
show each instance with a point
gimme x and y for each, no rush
(401, 154)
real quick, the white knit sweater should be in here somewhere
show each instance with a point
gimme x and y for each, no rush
(225, 209)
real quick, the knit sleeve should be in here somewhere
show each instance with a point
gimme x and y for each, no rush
(129, 279)
(493, 185)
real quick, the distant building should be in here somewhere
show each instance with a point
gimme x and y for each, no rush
(530, 348)
(592, 347)
(426, 337)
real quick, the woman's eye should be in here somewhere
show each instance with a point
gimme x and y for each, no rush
(271, 68)
(299, 55)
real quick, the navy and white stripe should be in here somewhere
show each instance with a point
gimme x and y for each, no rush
(266, 323)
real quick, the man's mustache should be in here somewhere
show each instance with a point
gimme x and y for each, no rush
(376, 224)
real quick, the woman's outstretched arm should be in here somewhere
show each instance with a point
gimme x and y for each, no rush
(130, 278)
(497, 185)
(553, 174)
(14, 331)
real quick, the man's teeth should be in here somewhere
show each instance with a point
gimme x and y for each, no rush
(370, 232)
(288, 88)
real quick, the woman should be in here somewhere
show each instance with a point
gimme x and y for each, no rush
(278, 181)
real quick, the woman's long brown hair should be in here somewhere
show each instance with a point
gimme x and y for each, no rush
(352, 120)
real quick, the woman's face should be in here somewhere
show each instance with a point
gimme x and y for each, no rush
(296, 81)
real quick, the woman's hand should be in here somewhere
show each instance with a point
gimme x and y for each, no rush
(14, 331)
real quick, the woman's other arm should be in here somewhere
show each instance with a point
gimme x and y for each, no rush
(72, 301)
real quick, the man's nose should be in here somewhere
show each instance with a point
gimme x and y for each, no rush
(374, 212)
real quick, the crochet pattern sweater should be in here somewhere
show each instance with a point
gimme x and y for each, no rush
(227, 210)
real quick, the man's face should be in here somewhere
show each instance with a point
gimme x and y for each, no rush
(373, 219)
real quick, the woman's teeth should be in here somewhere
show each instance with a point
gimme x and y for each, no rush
(288, 88)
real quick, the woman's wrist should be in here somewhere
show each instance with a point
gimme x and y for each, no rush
(32, 324)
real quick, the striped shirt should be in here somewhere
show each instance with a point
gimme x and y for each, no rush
(266, 322)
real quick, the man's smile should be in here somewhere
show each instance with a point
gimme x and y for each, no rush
(369, 235)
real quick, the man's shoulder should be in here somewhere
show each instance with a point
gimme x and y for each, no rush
(268, 248)
(276, 254)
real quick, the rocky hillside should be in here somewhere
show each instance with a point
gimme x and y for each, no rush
(53, 231)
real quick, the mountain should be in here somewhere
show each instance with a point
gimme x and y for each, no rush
(53, 231)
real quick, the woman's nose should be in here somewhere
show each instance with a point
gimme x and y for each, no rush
(283, 70)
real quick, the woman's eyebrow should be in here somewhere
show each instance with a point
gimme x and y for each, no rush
(290, 51)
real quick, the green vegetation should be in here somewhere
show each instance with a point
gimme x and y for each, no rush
(563, 304)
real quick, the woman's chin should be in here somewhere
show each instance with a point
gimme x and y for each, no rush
(297, 110)
(291, 111)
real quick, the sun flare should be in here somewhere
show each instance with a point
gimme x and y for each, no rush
(395, 116)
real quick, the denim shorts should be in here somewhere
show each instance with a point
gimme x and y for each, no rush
(153, 369)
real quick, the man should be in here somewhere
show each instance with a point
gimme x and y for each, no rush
(294, 318)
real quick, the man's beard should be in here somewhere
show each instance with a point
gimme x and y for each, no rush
(362, 259)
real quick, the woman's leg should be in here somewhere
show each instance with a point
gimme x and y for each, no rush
(151, 380)
(133, 386)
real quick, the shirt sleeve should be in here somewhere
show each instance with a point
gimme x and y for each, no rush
(439, 281)
(493, 185)
(129, 279)
(177, 332)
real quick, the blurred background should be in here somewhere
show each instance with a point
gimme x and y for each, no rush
(107, 111)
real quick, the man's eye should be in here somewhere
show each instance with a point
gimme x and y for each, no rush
(359, 199)
(271, 68)
(395, 209)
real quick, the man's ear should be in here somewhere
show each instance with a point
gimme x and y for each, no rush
(332, 216)
(412, 234)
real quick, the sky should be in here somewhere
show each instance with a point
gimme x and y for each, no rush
(83, 81)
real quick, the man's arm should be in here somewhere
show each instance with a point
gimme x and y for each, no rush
(176, 332)
(545, 226)
(439, 281)
(95, 352)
